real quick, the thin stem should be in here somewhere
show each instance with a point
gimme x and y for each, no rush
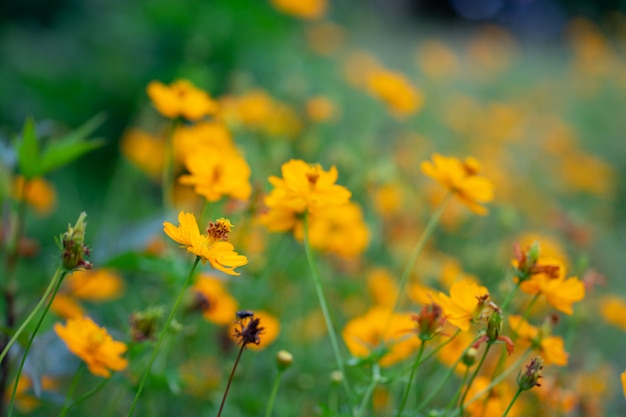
(469, 384)
(67, 404)
(54, 283)
(455, 397)
(57, 279)
(411, 377)
(519, 391)
(370, 389)
(324, 306)
(230, 379)
(162, 335)
(91, 392)
(509, 297)
(270, 402)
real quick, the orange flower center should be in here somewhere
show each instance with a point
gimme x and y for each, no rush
(219, 230)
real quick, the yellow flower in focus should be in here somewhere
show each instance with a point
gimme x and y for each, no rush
(144, 151)
(217, 305)
(66, 306)
(613, 310)
(94, 284)
(210, 247)
(38, 192)
(464, 304)
(181, 99)
(271, 330)
(218, 172)
(364, 334)
(396, 91)
(461, 178)
(321, 109)
(303, 9)
(93, 345)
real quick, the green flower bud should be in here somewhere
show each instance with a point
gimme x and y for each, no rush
(283, 360)
(72, 246)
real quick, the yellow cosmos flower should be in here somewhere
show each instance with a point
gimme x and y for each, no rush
(66, 306)
(216, 172)
(494, 402)
(396, 91)
(613, 310)
(189, 138)
(211, 247)
(144, 151)
(464, 304)
(560, 292)
(551, 348)
(38, 193)
(181, 99)
(218, 306)
(303, 9)
(382, 287)
(461, 177)
(364, 334)
(93, 345)
(95, 284)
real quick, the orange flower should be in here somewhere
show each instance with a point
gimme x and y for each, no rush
(66, 306)
(461, 178)
(551, 348)
(623, 378)
(465, 303)
(321, 109)
(181, 99)
(218, 306)
(144, 151)
(396, 91)
(93, 345)
(303, 9)
(95, 284)
(210, 247)
(560, 292)
(379, 328)
(39, 193)
(613, 310)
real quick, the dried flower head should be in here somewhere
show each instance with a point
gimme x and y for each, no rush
(530, 377)
(249, 330)
(72, 245)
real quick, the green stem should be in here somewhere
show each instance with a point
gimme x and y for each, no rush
(230, 379)
(519, 391)
(411, 377)
(168, 166)
(370, 389)
(57, 280)
(469, 384)
(162, 335)
(509, 297)
(455, 398)
(270, 402)
(324, 306)
(91, 392)
(54, 283)
(67, 404)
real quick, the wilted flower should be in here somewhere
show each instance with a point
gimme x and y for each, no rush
(93, 345)
(270, 329)
(530, 377)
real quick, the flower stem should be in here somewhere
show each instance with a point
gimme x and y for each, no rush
(230, 379)
(162, 335)
(509, 297)
(270, 402)
(90, 392)
(370, 389)
(55, 284)
(324, 306)
(519, 391)
(455, 397)
(411, 377)
(67, 404)
(469, 384)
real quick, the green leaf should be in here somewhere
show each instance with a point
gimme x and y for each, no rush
(28, 151)
(72, 146)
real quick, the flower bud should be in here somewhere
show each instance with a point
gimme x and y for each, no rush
(72, 245)
(283, 360)
(469, 357)
(336, 377)
(530, 377)
(494, 325)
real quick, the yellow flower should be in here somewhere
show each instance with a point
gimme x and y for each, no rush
(211, 247)
(181, 99)
(461, 178)
(321, 109)
(215, 172)
(464, 304)
(189, 138)
(613, 310)
(560, 292)
(496, 402)
(144, 151)
(378, 327)
(93, 345)
(303, 9)
(623, 378)
(39, 193)
(396, 91)
(94, 284)
(218, 306)
(551, 348)
(271, 330)
(382, 288)
(66, 306)
(24, 400)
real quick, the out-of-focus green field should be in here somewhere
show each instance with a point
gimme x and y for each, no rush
(342, 88)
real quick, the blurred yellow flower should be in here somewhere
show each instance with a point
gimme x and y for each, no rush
(321, 109)
(181, 99)
(210, 247)
(200, 376)
(388, 199)
(492, 403)
(217, 305)
(189, 138)
(382, 288)
(623, 378)
(303, 9)
(144, 151)
(453, 350)
(38, 193)
(396, 91)
(461, 178)
(379, 328)
(66, 306)
(217, 172)
(94, 284)
(271, 330)
(613, 310)
(26, 401)
(550, 348)
(464, 304)
(93, 345)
